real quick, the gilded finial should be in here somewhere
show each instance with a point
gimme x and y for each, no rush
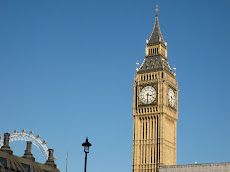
(156, 10)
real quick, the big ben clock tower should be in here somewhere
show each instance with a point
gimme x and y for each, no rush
(155, 108)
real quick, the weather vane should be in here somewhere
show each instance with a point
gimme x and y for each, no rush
(156, 10)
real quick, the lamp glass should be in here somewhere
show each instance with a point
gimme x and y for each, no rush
(86, 149)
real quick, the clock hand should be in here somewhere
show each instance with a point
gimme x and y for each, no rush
(147, 96)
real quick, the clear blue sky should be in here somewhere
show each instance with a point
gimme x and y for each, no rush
(66, 69)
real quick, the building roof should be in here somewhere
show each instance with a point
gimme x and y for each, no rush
(12, 162)
(155, 63)
(212, 167)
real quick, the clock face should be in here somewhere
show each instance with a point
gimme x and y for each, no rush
(171, 97)
(148, 94)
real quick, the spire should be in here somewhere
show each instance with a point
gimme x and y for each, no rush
(156, 36)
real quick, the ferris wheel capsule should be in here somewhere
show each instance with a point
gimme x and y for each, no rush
(1, 138)
(23, 131)
(15, 131)
(31, 133)
(44, 142)
(38, 136)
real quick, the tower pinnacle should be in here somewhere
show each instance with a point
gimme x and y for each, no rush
(156, 36)
(155, 52)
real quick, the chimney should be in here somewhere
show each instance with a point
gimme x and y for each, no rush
(28, 154)
(50, 160)
(6, 147)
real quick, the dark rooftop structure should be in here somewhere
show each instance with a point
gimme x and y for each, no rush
(156, 36)
(156, 52)
(26, 163)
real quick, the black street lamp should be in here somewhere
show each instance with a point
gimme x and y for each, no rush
(86, 150)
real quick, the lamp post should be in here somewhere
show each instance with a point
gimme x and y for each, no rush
(86, 150)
